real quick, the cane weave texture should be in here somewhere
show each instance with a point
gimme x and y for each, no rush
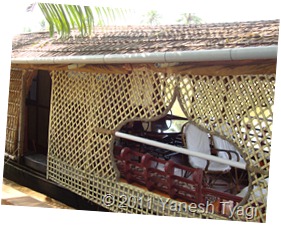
(19, 82)
(87, 108)
(14, 105)
(244, 103)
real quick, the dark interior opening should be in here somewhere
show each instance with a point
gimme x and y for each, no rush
(172, 173)
(37, 121)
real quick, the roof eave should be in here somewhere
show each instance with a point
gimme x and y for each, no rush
(231, 54)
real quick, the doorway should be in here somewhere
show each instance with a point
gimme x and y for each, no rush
(37, 122)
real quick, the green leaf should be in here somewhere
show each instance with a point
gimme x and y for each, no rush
(63, 18)
(90, 18)
(48, 17)
(99, 14)
(75, 16)
(69, 15)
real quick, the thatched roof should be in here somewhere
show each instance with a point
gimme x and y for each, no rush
(140, 39)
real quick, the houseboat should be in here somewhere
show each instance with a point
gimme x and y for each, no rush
(171, 120)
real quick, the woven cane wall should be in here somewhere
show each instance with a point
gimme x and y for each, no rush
(20, 81)
(13, 114)
(245, 104)
(88, 107)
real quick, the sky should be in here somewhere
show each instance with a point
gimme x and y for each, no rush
(170, 11)
(13, 19)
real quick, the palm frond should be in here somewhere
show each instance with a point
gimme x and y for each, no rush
(64, 18)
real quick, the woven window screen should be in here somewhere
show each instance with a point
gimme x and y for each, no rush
(86, 109)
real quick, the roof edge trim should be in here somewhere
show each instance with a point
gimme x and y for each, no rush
(231, 54)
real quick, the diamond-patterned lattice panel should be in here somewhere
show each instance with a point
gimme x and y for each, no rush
(88, 107)
(117, 98)
(244, 104)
